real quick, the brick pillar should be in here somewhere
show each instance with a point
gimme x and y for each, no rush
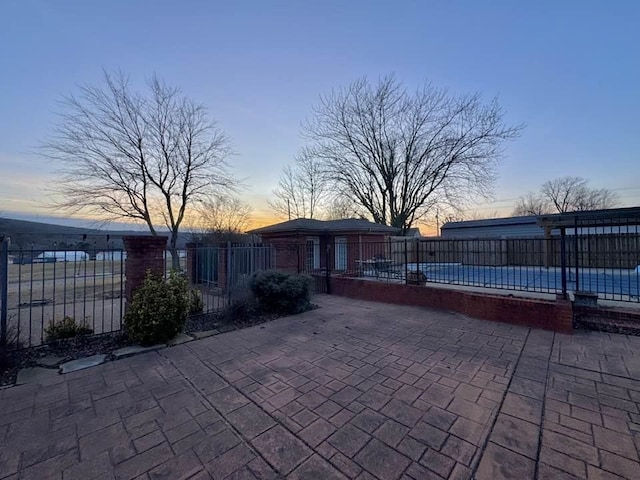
(191, 263)
(143, 253)
(564, 315)
(223, 252)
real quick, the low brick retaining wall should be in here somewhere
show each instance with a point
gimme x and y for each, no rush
(530, 312)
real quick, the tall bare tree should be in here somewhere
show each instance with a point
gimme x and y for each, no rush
(147, 157)
(302, 188)
(573, 194)
(532, 204)
(399, 154)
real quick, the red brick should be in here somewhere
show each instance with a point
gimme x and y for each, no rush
(557, 316)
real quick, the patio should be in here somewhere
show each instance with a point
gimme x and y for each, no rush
(351, 390)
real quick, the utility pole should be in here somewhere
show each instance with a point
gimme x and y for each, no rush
(289, 208)
(437, 222)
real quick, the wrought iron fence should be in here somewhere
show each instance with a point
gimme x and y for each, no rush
(603, 263)
(220, 272)
(41, 288)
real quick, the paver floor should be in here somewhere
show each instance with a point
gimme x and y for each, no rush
(351, 390)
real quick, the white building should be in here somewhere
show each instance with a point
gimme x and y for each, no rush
(61, 256)
(111, 256)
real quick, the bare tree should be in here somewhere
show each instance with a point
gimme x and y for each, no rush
(468, 215)
(400, 154)
(302, 188)
(532, 204)
(145, 157)
(573, 194)
(225, 214)
(341, 207)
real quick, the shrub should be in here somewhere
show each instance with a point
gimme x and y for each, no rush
(196, 305)
(240, 311)
(66, 328)
(278, 292)
(159, 309)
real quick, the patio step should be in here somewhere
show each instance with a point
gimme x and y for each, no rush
(604, 318)
(611, 325)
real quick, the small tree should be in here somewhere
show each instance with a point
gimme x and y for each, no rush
(225, 214)
(302, 188)
(145, 157)
(340, 207)
(222, 219)
(532, 204)
(573, 194)
(565, 194)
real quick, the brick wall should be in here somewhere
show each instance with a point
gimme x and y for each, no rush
(549, 315)
(291, 249)
(143, 253)
(289, 252)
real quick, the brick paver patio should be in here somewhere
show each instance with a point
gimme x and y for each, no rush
(351, 390)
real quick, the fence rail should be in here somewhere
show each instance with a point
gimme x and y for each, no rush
(220, 272)
(39, 288)
(607, 265)
(42, 287)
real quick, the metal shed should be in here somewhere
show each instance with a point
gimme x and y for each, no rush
(527, 226)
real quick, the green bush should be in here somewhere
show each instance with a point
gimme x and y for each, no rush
(240, 311)
(66, 328)
(196, 305)
(278, 292)
(159, 309)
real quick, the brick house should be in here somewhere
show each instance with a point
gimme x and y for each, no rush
(305, 245)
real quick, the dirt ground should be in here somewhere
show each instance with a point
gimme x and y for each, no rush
(89, 291)
(40, 293)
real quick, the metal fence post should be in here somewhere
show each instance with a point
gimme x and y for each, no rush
(229, 269)
(576, 246)
(406, 261)
(4, 280)
(563, 262)
(327, 274)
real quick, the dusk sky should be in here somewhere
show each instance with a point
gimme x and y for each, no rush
(568, 70)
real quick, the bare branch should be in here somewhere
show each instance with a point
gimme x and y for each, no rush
(225, 214)
(302, 189)
(146, 157)
(573, 194)
(398, 155)
(532, 204)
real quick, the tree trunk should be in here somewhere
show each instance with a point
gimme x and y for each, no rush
(175, 255)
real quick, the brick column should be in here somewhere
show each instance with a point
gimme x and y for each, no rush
(564, 315)
(191, 262)
(223, 252)
(143, 253)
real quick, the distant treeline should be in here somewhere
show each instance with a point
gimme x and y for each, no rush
(34, 237)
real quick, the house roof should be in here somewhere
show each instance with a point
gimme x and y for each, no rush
(612, 216)
(321, 226)
(593, 218)
(492, 222)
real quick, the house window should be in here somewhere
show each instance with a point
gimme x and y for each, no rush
(313, 253)
(341, 253)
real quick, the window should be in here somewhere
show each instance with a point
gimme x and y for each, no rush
(312, 253)
(341, 253)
